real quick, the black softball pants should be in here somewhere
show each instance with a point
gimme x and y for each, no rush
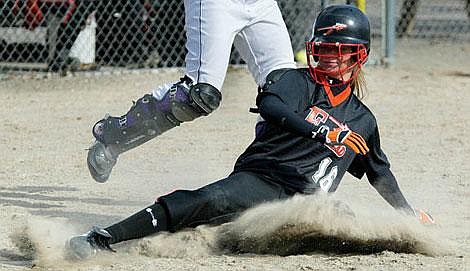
(221, 201)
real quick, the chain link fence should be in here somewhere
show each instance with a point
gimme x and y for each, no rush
(61, 35)
(434, 19)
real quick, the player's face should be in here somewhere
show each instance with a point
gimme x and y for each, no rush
(334, 60)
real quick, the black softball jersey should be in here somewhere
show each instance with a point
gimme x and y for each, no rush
(284, 151)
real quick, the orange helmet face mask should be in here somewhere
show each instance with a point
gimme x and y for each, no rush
(334, 61)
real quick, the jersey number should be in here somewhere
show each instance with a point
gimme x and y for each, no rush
(325, 180)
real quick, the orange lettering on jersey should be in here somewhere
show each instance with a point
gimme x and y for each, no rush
(339, 150)
(317, 116)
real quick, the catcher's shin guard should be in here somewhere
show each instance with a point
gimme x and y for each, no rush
(150, 117)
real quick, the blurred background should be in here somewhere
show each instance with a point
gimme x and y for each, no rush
(89, 35)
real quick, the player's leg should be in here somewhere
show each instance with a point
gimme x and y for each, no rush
(197, 94)
(149, 117)
(265, 43)
(215, 203)
(221, 201)
(211, 26)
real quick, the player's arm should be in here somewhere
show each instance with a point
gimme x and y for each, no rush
(387, 186)
(283, 103)
(377, 168)
(273, 109)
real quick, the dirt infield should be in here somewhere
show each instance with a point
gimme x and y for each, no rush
(46, 194)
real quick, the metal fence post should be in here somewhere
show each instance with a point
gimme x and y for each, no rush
(388, 32)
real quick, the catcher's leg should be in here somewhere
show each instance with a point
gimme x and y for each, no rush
(149, 117)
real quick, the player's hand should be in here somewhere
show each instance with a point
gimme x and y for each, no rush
(349, 138)
(424, 217)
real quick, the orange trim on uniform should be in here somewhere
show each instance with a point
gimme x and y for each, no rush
(336, 100)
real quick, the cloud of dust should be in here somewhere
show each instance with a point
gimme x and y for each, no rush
(306, 224)
(193, 243)
(300, 225)
(43, 239)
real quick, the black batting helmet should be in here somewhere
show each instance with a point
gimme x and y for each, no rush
(342, 23)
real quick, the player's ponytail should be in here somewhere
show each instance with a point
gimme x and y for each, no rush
(359, 84)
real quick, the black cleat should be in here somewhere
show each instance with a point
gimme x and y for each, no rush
(100, 162)
(84, 246)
